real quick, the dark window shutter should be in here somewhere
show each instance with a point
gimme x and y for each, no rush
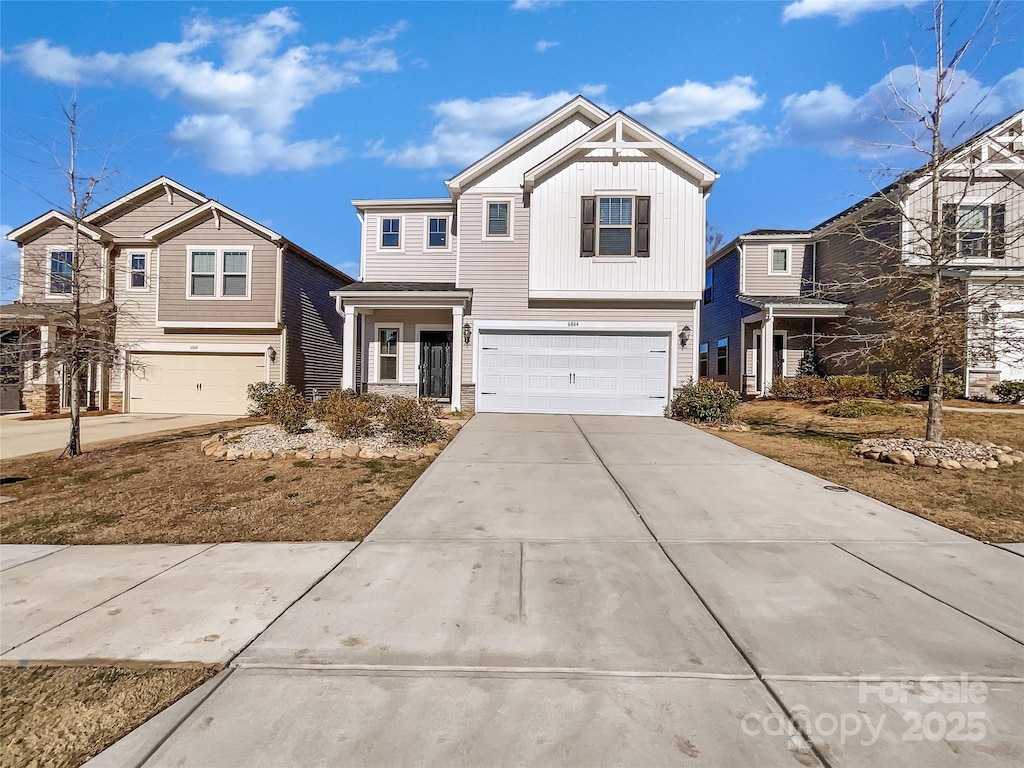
(643, 227)
(949, 218)
(587, 227)
(455, 224)
(999, 231)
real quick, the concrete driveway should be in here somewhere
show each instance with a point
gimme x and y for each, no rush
(594, 591)
(19, 437)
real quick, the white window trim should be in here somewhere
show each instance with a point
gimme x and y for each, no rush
(448, 231)
(789, 259)
(511, 219)
(399, 352)
(974, 202)
(128, 263)
(400, 248)
(49, 271)
(718, 346)
(218, 278)
(631, 256)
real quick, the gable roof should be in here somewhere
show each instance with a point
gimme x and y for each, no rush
(575, 106)
(19, 234)
(163, 182)
(208, 209)
(618, 127)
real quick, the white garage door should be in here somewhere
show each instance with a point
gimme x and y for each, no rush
(192, 382)
(596, 373)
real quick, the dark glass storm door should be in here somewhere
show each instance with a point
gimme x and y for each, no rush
(436, 364)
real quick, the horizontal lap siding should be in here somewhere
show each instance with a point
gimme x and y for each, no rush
(262, 305)
(759, 282)
(413, 262)
(314, 327)
(406, 321)
(36, 255)
(143, 215)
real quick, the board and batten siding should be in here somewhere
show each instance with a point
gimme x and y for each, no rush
(36, 265)
(145, 214)
(760, 281)
(510, 173)
(413, 261)
(261, 306)
(314, 327)
(676, 232)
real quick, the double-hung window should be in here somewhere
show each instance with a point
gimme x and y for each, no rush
(978, 229)
(61, 267)
(387, 354)
(498, 223)
(615, 226)
(218, 273)
(390, 233)
(437, 232)
(779, 263)
(709, 286)
(138, 271)
(702, 367)
(723, 356)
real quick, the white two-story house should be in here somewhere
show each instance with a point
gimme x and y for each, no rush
(562, 273)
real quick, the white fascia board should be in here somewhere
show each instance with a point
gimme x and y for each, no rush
(577, 325)
(161, 182)
(212, 207)
(797, 312)
(404, 203)
(355, 297)
(618, 295)
(93, 232)
(202, 324)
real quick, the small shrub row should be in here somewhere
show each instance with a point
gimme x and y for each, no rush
(1011, 391)
(895, 386)
(854, 409)
(705, 401)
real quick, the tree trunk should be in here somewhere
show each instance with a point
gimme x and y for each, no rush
(933, 430)
(74, 447)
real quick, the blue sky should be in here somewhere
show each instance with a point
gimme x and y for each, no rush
(286, 112)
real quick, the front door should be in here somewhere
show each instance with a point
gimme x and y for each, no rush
(436, 364)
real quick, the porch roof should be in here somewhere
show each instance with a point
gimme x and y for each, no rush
(797, 306)
(21, 315)
(402, 294)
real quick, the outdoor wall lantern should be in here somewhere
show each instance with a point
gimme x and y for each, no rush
(271, 354)
(467, 334)
(684, 336)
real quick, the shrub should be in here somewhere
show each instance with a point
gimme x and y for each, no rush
(1011, 392)
(811, 363)
(799, 388)
(854, 409)
(318, 409)
(408, 420)
(259, 394)
(348, 416)
(288, 408)
(705, 401)
(952, 386)
(844, 387)
(905, 386)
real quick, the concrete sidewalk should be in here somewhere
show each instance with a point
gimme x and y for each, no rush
(595, 591)
(20, 438)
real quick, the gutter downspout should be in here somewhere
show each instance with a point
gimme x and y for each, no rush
(362, 246)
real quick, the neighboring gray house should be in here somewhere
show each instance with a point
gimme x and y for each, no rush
(205, 301)
(795, 286)
(561, 274)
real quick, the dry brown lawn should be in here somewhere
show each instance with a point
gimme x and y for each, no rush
(162, 489)
(63, 716)
(986, 505)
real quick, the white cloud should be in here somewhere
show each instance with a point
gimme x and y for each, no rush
(740, 142)
(682, 109)
(544, 45)
(534, 5)
(593, 90)
(878, 123)
(467, 130)
(239, 77)
(847, 11)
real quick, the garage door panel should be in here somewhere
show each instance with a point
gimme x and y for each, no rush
(600, 373)
(193, 382)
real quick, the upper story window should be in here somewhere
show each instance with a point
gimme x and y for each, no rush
(499, 218)
(390, 233)
(218, 273)
(979, 229)
(138, 271)
(61, 266)
(615, 226)
(709, 285)
(437, 232)
(778, 260)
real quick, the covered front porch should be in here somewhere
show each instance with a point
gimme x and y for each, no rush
(791, 324)
(404, 338)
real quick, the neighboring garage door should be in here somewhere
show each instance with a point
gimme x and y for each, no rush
(192, 382)
(596, 373)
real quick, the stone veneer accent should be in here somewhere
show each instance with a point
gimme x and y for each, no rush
(469, 397)
(406, 390)
(116, 402)
(41, 398)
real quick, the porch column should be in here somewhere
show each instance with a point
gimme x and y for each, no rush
(767, 352)
(348, 351)
(46, 334)
(456, 358)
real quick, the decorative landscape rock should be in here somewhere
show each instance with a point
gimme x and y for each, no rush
(949, 454)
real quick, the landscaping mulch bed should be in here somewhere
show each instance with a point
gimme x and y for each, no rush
(61, 717)
(986, 505)
(163, 489)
